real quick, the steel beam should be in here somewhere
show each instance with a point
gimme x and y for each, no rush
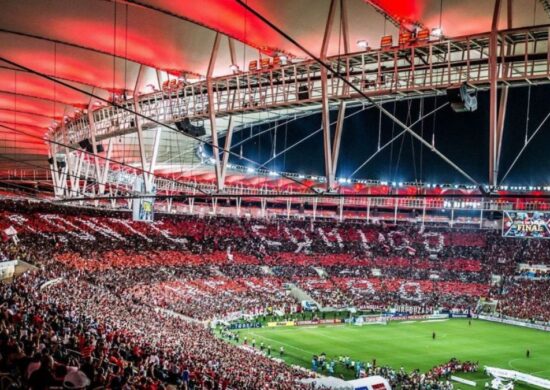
(358, 90)
(212, 112)
(102, 180)
(501, 115)
(338, 135)
(232, 52)
(53, 170)
(493, 95)
(227, 147)
(141, 143)
(153, 162)
(345, 25)
(93, 131)
(325, 111)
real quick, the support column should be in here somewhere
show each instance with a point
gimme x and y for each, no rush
(481, 218)
(288, 206)
(153, 162)
(325, 112)
(368, 209)
(452, 215)
(493, 94)
(212, 112)
(75, 174)
(225, 152)
(103, 178)
(315, 200)
(345, 25)
(143, 159)
(424, 213)
(54, 172)
(501, 120)
(263, 203)
(338, 136)
(238, 202)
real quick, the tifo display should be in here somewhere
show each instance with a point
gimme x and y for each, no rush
(161, 303)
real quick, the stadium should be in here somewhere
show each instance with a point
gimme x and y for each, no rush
(274, 194)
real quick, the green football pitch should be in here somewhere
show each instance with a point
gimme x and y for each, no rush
(410, 345)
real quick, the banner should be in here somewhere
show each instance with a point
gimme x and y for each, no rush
(518, 376)
(245, 325)
(143, 208)
(522, 224)
(281, 323)
(514, 322)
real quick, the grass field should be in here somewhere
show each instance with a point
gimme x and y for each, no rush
(410, 345)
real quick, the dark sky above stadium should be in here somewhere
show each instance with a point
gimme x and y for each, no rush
(462, 137)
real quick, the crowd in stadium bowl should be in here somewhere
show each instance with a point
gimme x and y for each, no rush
(119, 280)
(109, 341)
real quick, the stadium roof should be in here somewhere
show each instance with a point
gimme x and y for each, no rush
(98, 46)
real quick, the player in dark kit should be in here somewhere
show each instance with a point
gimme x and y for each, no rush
(433, 335)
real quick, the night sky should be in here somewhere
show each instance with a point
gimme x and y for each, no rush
(462, 137)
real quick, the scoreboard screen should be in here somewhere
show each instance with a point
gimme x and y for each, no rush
(526, 224)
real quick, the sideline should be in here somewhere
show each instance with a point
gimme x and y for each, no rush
(280, 342)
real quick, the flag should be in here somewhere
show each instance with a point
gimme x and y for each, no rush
(10, 233)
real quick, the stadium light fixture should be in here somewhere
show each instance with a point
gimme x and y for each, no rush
(249, 170)
(234, 68)
(437, 32)
(284, 59)
(362, 44)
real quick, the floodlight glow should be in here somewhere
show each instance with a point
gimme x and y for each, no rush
(362, 44)
(437, 32)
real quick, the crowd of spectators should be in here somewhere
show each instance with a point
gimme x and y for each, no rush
(127, 295)
(525, 299)
(75, 334)
(436, 378)
(214, 267)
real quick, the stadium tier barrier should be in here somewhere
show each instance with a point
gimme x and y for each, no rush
(516, 322)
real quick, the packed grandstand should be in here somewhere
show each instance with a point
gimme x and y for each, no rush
(274, 194)
(129, 303)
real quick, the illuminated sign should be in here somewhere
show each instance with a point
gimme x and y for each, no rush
(526, 224)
